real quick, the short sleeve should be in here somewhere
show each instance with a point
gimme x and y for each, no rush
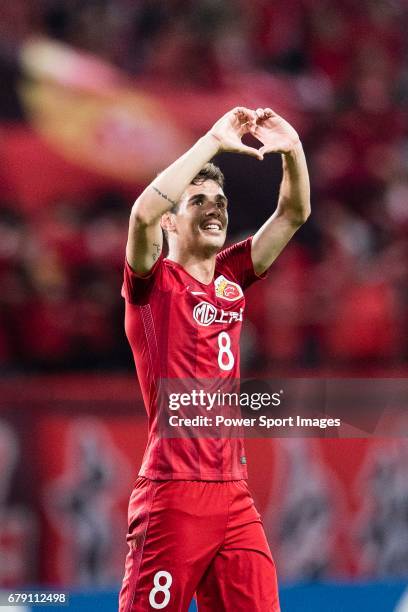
(237, 261)
(137, 289)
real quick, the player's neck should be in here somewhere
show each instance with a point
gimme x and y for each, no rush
(201, 268)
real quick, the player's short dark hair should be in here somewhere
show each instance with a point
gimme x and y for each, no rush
(209, 172)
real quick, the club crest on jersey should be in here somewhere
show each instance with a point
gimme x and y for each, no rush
(205, 314)
(227, 290)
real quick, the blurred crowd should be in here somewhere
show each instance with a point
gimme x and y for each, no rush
(61, 272)
(338, 297)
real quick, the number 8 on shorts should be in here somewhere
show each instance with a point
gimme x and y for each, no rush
(160, 588)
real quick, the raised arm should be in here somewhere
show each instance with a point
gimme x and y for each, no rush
(293, 209)
(145, 239)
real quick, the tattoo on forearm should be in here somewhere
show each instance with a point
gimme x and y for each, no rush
(158, 250)
(163, 195)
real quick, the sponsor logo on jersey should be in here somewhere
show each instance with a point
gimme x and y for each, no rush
(227, 290)
(205, 314)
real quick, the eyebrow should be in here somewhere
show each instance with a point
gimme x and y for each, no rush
(199, 196)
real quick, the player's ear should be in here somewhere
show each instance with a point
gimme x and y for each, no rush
(167, 222)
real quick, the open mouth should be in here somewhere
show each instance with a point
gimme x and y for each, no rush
(212, 226)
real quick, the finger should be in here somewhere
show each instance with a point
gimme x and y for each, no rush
(245, 112)
(269, 149)
(259, 113)
(254, 128)
(268, 113)
(251, 151)
(245, 116)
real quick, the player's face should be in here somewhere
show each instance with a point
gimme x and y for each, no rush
(202, 216)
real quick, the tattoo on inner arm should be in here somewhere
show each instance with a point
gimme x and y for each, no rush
(163, 195)
(157, 249)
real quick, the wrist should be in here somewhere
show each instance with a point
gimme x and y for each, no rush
(213, 141)
(294, 150)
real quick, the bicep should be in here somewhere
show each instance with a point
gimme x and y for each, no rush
(270, 240)
(144, 245)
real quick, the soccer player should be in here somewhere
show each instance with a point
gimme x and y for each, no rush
(193, 526)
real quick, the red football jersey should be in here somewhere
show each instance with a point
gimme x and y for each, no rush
(180, 328)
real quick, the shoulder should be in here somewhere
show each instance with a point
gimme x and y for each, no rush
(238, 250)
(236, 262)
(137, 288)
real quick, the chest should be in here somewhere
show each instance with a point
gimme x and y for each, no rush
(208, 308)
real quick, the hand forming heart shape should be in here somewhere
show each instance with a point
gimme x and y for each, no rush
(275, 133)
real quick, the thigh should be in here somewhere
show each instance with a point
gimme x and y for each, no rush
(242, 576)
(173, 535)
(239, 580)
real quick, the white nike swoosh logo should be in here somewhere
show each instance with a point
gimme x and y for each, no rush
(198, 292)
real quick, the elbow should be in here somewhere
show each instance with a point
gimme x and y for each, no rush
(302, 213)
(295, 212)
(298, 218)
(303, 217)
(140, 216)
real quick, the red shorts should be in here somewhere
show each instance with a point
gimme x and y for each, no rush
(200, 537)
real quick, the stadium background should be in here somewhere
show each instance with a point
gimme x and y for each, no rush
(96, 97)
